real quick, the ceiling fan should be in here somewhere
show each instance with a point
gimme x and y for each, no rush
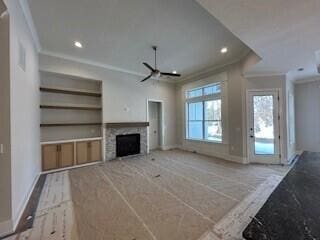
(154, 71)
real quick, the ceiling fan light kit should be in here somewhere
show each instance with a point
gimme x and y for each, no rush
(154, 71)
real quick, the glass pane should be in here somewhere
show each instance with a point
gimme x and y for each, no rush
(263, 125)
(213, 131)
(195, 111)
(194, 93)
(212, 89)
(213, 110)
(195, 129)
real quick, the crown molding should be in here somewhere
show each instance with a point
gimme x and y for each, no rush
(208, 71)
(90, 62)
(98, 64)
(27, 14)
(307, 80)
(264, 74)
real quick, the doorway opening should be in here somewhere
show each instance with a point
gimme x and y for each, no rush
(263, 136)
(155, 129)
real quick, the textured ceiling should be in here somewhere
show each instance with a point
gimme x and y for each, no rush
(284, 33)
(120, 33)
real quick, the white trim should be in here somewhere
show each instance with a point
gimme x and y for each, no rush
(307, 80)
(16, 219)
(213, 70)
(71, 140)
(161, 124)
(228, 157)
(72, 167)
(89, 62)
(166, 148)
(6, 228)
(27, 14)
(280, 111)
(264, 74)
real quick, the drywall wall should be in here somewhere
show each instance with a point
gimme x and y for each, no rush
(307, 112)
(69, 115)
(124, 97)
(290, 121)
(24, 110)
(5, 154)
(233, 146)
(279, 83)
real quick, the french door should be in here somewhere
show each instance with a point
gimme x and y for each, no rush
(263, 127)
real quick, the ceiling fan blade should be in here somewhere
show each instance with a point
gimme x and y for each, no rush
(171, 74)
(148, 66)
(146, 78)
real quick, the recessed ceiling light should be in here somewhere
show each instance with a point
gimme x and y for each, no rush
(224, 50)
(78, 44)
(174, 72)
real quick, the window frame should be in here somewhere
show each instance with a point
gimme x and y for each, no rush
(204, 98)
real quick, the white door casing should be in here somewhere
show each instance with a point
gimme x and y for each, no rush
(154, 127)
(263, 132)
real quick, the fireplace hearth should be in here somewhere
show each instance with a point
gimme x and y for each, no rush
(128, 144)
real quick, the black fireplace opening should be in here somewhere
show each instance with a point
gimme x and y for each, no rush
(128, 144)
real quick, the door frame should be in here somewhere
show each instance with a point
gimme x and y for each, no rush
(280, 111)
(161, 123)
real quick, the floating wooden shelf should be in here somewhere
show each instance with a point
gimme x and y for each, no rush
(126, 124)
(67, 124)
(71, 91)
(76, 107)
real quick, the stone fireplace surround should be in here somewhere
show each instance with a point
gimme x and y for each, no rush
(123, 128)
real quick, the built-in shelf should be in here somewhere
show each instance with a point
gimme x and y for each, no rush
(68, 124)
(71, 91)
(76, 107)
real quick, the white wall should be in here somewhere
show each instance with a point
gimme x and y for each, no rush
(124, 97)
(275, 82)
(24, 109)
(5, 156)
(290, 111)
(307, 112)
(234, 147)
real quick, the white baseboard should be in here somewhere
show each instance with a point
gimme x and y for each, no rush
(228, 157)
(165, 148)
(16, 219)
(6, 228)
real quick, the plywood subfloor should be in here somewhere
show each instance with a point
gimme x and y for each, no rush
(173, 195)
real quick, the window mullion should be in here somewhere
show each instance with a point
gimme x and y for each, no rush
(203, 120)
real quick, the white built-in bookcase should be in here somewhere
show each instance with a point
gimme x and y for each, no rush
(71, 107)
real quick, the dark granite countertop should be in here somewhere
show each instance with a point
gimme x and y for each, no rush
(293, 210)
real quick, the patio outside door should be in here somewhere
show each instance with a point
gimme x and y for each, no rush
(263, 129)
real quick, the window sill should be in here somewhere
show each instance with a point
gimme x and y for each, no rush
(204, 141)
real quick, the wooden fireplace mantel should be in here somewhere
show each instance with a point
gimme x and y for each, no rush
(126, 124)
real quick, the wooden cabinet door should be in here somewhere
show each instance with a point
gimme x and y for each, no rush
(82, 152)
(95, 151)
(49, 157)
(66, 153)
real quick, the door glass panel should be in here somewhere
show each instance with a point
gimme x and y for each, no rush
(263, 125)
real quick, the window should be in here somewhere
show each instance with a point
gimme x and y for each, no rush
(203, 113)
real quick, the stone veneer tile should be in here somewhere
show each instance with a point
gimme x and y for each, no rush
(111, 134)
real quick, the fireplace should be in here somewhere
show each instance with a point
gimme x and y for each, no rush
(128, 144)
(116, 132)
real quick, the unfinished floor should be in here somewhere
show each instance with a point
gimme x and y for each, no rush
(166, 195)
